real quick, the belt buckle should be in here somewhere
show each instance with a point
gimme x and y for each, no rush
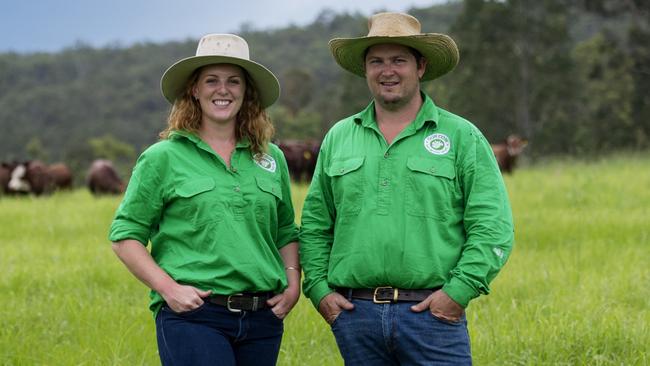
(230, 300)
(394, 299)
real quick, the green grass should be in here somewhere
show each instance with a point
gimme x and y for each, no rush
(576, 290)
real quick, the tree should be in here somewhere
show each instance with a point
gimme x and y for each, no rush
(35, 149)
(514, 66)
(605, 118)
(296, 90)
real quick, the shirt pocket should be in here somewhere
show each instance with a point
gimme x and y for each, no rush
(267, 199)
(430, 187)
(197, 201)
(348, 183)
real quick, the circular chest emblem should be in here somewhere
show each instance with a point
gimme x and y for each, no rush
(265, 161)
(437, 144)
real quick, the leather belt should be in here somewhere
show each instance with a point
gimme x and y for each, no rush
(386, 294)
(242, 302)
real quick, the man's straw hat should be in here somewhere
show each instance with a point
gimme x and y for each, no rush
(440, 50)
(216, 49)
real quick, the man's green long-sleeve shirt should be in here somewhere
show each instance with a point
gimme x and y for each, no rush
(428, 210)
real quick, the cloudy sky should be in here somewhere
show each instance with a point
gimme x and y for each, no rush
(51, 25)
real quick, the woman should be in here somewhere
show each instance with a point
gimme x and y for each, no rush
(213, 198)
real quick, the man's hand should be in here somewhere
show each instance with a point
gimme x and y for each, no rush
(441, 306)
(332, 305)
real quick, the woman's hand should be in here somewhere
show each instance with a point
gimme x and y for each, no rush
(281, 304)
(182, 298)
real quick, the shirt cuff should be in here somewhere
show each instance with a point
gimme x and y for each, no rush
(318, 291)
(122, 232)
(459, 291)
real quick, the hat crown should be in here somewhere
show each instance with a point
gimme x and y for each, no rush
(393, 25)
(228, 45)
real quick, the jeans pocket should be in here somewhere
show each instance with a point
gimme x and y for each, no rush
(166, 308)
(444, 321)
(336, 320)
(275, 316)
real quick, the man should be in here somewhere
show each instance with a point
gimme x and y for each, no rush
(407, 210)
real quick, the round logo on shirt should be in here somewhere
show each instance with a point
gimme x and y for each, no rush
(265, 161)
(438, 144)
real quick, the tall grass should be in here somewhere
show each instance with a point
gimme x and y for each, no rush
(576, 290)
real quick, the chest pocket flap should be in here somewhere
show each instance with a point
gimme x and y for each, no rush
(195, 186)
(435, 167)
(269, 186)
(342, 167)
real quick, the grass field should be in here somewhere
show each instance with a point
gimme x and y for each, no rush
(576, 290)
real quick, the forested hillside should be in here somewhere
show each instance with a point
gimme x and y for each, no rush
(572, 77)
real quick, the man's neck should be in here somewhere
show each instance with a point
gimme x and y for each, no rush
(392, 121)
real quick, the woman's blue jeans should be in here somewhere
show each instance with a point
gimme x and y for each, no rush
(392, 334)
(213, 335)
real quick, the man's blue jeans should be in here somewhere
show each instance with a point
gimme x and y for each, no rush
(392, 334)
(213, 335)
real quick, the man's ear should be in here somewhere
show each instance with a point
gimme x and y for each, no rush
(422, 67)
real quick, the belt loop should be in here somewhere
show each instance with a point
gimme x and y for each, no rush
(349, 293)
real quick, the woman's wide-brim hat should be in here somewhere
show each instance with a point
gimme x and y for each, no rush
(217, 49)
(440, 50)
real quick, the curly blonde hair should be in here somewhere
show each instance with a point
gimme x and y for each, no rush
(252, 121)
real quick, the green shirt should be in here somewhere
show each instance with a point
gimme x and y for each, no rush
(428, 210)
(210, 227)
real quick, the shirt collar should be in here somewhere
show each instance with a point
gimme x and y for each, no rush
(243, 143)
(428, 113)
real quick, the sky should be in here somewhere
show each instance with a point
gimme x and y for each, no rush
(52, 25)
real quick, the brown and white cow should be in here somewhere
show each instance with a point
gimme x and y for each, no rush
(507, 152)
(102, 178)
(36, 177)
(29, 177)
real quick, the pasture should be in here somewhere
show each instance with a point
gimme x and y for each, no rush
(576, 290)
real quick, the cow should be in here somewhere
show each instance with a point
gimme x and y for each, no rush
(61, 176)
(29, 177)
(301, 157)
(5, 176)
(35, 177)
(507, 152)
(102, 178)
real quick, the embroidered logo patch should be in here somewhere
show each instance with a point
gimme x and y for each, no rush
(265, 161)
(437, 144)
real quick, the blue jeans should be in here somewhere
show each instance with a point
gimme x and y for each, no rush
(392, 334)
(213, 335)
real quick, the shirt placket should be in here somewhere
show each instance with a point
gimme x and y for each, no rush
(237, 203)
(385, 186)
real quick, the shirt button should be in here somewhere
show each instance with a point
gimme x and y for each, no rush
(236, 189)
(233, 169)
(384, 182)
(386, 155)
(432, 170)
(342, 170)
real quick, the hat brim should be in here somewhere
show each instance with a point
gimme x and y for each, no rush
(440, 51)
(174, 80)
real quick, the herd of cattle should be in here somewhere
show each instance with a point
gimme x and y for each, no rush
(35, 177)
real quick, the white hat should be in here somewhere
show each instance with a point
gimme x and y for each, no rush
(216, 49)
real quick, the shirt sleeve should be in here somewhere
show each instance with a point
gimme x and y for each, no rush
(487, 220)
(317, 231)
(141, 207)
(287, 228)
